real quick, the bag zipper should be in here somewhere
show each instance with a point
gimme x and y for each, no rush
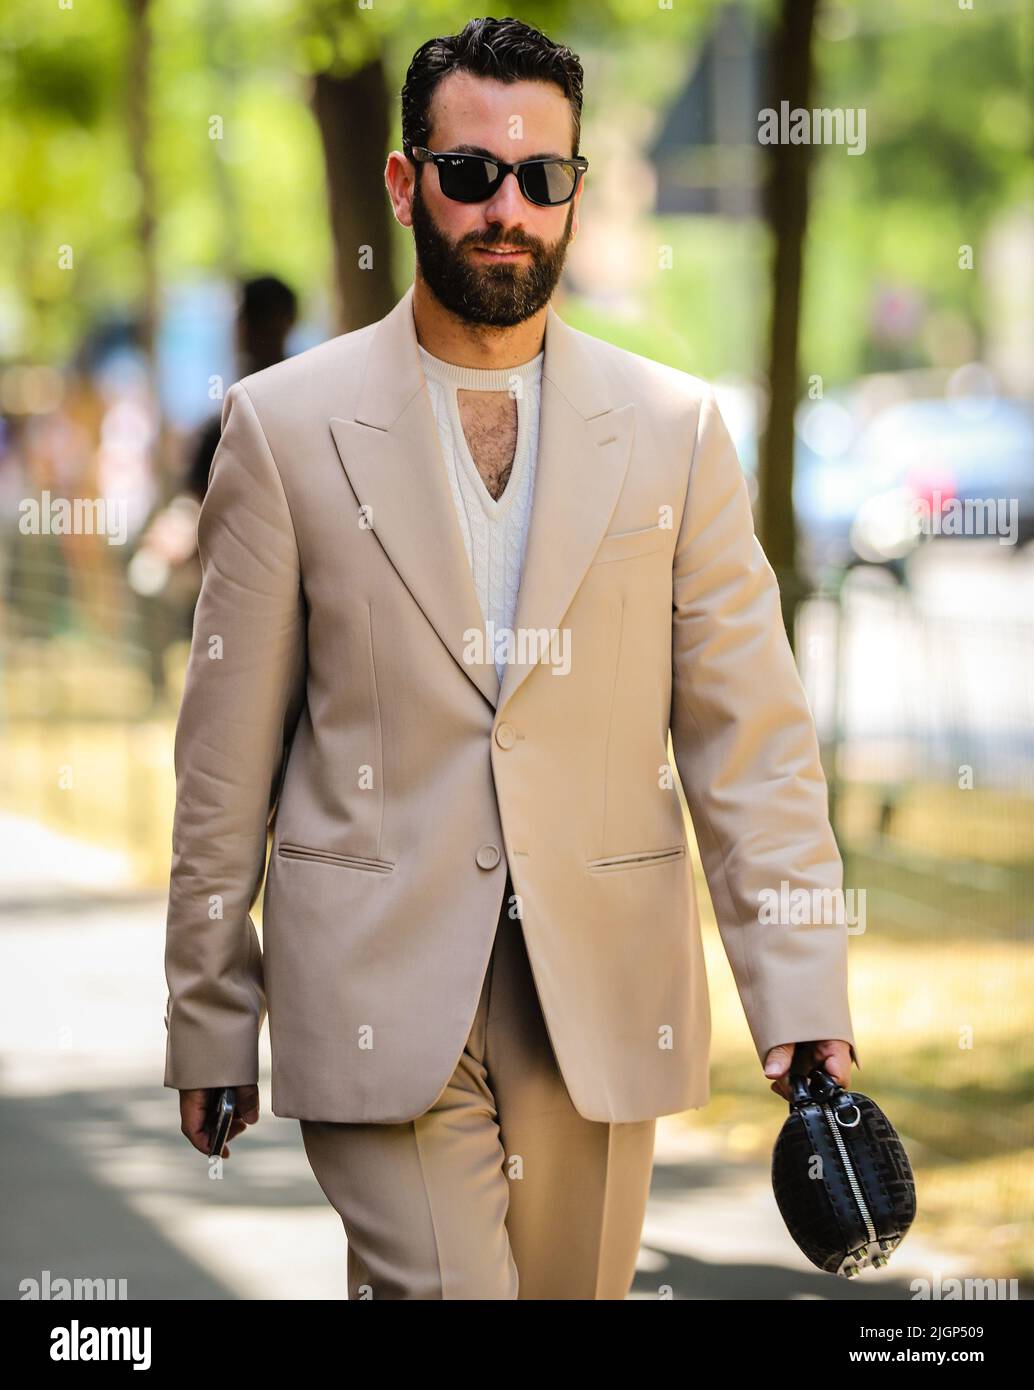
(849, 1167)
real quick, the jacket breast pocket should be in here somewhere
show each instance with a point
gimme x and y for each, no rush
(626, 545)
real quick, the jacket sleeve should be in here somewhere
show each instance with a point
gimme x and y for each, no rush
(242, 695)
(747, 754)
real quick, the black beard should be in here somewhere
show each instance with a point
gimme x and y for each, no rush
(498, 296)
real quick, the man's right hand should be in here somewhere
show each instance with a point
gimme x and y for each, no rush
(194, 1107)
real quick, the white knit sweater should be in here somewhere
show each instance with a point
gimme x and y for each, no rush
(494, 532)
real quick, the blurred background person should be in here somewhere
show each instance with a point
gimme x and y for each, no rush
(164, 570)
(267, 313)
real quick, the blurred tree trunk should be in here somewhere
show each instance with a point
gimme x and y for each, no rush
(786, 211)
(352, 112)
(138, 120)
(223, 81)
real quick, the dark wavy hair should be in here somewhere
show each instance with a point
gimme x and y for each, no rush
(504, 49)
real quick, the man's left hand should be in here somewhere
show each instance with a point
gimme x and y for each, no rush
(834, 1055)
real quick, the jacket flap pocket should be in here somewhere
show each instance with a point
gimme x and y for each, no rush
(636, 859)
(326, 856)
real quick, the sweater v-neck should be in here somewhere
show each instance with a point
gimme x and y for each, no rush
(455, 379)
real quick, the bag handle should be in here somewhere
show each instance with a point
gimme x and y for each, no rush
(823, 1086)
(826, 1089)
(818, 1085)
(800, 1094)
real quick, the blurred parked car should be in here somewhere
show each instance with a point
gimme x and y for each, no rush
(947, 470)
(873, 480)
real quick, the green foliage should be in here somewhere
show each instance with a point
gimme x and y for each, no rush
(238, 166)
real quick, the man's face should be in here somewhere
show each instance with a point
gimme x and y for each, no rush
(454, 241)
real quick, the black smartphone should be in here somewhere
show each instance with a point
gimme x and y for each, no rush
(217, 1119)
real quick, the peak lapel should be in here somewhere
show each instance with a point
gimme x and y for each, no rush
(393, 459)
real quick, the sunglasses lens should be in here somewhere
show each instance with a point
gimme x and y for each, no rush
(550, 182)
(466, 178)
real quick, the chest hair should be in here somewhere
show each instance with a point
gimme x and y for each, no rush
(489, 420)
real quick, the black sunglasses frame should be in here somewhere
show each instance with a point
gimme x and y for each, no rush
(420, 154)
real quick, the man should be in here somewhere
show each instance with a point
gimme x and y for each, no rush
(481, 950)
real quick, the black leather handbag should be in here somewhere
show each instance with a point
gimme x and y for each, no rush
(841, 1177)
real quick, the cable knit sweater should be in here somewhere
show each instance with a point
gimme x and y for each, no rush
(494, 532)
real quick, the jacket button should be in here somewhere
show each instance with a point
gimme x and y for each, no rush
(487, 856)
(505, 736)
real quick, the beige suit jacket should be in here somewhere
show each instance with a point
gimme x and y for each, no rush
(334, 696)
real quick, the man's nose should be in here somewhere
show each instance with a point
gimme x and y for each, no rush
(507, 202)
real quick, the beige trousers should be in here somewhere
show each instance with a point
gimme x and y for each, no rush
(501, 1189)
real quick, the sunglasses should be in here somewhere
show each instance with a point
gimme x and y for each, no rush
(471, 178)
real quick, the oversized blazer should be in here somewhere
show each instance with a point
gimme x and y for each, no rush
(336, 696)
